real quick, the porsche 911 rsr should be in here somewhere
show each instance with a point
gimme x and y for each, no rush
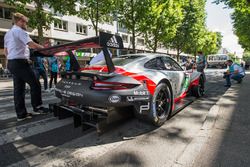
(152, 85)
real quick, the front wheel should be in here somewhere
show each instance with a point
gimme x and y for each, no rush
(160, 105)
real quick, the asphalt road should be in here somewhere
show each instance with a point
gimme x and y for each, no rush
(46, 141)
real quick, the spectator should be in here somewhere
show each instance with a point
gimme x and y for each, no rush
(53, 67)
(201, 62)
(235, 72)
(39, 69)
(67, 65)
(16, 42)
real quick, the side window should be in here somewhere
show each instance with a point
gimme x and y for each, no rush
(155, 64)
(171, 64)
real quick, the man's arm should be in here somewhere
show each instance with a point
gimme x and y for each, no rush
(34, 45)
(5, 52)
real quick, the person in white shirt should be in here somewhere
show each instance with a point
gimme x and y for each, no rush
(234, 71)
(16, 43)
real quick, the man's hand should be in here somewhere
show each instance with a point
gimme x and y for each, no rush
(236, 71)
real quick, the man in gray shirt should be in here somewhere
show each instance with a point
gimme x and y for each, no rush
(16, 44)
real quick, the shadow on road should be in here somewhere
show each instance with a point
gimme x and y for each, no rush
(229, 141)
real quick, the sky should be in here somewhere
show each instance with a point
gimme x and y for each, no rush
(218, 19)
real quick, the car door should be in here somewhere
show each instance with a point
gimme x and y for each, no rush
(177, 74)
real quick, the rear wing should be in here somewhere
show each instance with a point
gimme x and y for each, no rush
(104, 41)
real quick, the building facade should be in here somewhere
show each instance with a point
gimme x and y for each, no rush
(71, 28)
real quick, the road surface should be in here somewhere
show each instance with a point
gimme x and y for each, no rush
(47, 141)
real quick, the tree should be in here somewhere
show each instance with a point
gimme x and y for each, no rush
(241, 20)
(131, 13)
(246, 56)
(195, 39)
(97, 11)
(39, 18)
(212, 43)
(161, 21)
(219, 40)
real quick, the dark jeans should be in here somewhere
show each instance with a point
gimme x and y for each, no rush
(22, 73)
(53, 76)
(43, 74)
(236, 77)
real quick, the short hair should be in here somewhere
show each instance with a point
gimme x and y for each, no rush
(230, 61)
(200, 52)
(18, 16)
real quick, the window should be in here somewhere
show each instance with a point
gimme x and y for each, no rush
(81, 29)
(6, 13)
(155, 64)
(125, 38)
(170, 64)
(61, 25)
(140, 41)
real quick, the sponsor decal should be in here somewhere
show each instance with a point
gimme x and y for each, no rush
(113, 42)
(141, 92)
(68, 93)
(71, 83)
(114, 99)
(139, 98)
(144, 108)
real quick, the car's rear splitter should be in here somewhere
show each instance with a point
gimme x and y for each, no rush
(99, 118)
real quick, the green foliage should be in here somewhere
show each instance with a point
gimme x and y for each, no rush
(246, 56)
(38, 17)
(190, 34)
(131, 13)
(212, 43)
(97, 12)
(161, 21)
(241, 20)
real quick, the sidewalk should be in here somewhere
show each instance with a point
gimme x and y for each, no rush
(228, 141)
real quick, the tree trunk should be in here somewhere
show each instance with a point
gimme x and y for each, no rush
(39, 10)
(97, 18)
(178, 54)
(133, 40)
(133, 21)
(155, 40)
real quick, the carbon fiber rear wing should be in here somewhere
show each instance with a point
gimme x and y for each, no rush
(104, 41)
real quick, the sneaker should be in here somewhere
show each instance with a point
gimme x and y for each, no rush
(228, 86)
(240, 80)
(28, 116)
(41, 110)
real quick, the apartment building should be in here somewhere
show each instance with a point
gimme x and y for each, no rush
(71, 28)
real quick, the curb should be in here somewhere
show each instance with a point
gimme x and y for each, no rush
(193, 149)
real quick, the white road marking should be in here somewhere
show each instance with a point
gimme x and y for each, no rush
(30, 129)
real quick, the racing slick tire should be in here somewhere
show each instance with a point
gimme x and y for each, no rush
(198, 90)
(161, 105)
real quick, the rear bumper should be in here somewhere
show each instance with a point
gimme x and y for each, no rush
(138, 97)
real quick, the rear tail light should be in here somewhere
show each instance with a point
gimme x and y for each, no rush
(99, 85)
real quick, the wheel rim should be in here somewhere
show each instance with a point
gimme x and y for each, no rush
(162, 103)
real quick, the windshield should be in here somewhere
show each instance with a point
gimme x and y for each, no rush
(120, 61)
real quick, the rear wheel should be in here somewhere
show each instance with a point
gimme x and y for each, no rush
(160, 105)
(199, 90)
